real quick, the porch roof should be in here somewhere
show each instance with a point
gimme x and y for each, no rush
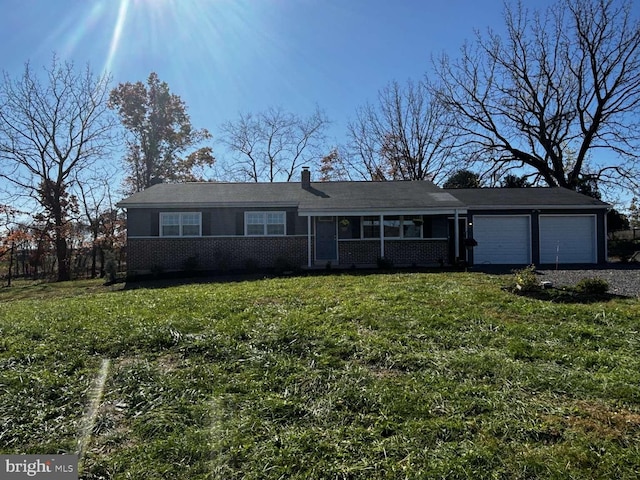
(362, 198)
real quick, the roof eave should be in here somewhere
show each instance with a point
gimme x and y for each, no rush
(173, 205)
(537, 207)
(359, 212)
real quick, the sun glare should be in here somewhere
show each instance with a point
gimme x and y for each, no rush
(225, 39)
(117, 33)
(158, 25)
(73, 28)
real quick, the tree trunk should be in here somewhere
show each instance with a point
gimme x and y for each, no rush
(102, 272)
(13, 245)
(61, 256)
(94, 256)
(62, 253)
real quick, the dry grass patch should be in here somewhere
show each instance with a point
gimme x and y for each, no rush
(602, 421)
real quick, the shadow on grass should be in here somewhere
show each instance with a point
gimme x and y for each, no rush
(167, 281)
(171, 279)
(566, 295)
(554, 294)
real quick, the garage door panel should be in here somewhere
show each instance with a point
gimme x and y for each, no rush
(567, 239)
(502, 239)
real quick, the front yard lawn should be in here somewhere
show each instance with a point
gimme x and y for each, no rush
(327, 377)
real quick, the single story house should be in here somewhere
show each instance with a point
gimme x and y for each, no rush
(235, 226)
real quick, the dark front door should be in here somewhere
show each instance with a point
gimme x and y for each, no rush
(326, 238)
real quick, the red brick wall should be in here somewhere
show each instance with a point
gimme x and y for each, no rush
(228, 253)
(418, 252)
(359, 252)
(237, 253)
(399, 252)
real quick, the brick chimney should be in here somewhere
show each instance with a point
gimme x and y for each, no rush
(306, 177)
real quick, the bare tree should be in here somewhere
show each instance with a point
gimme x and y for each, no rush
(563, 80)
(405, 136)
(97, 208)
(271, 145)
(50, 132)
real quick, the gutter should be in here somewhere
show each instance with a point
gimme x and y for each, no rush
(538, 207)
(256, 204)
(378, 211)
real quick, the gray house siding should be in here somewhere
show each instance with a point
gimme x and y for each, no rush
(140, 223)
(223, 245)
(223, 221)
(145, 222)
(218, 221)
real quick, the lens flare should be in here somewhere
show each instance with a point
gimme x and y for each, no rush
(117, 33)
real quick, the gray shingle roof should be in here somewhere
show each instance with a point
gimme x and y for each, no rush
(534, 197)
(215, 194)
(319, 197)
(349, 197)
(375, 196)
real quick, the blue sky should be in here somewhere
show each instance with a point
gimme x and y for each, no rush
(224, 57)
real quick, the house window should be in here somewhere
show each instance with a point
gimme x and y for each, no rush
(348, 227)
(412, 227)
(370, 227)
(265, 223)
(402, 227)
(436, 228)
(392, 226)
(187, 224)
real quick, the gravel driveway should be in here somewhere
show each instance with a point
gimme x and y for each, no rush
(623, 279)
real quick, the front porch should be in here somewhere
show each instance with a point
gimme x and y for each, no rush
(403, 240)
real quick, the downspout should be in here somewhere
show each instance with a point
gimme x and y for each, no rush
(606, 238)
(381, 236)
(456, 235)
(309, 249)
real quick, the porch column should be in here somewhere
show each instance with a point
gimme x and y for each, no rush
(309, 246)
(456, 234)
(606, 239)
(381, 236)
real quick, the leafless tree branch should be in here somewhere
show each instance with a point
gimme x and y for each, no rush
(271, 145)
(51, 131)
(555, 92)
(404, 136)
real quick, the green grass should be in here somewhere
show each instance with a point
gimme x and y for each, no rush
(44, 289)
(330, 377)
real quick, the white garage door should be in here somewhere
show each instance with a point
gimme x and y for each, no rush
(567, 238)
(502, 239)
